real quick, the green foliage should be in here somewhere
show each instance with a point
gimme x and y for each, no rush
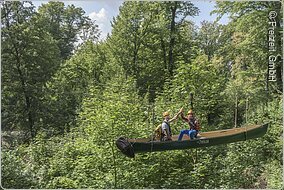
(204, 80)
(65, 91)
(77, 100)
(209, 38)
(67, 25)
(30, 57)
(264, 151)
(145, 44)
(274, 175)
(248, 29)
(14, 173)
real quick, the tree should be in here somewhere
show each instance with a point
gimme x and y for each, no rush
(30, 57)
(144, 36)
(67, 25)
(249, 29)
(33, 52)
(175, 10)
(202, 78)
(67, 88)
(209, 38)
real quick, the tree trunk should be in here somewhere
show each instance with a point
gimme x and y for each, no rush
(172, 38)
(164, 52)
(135, 52)
(27, 97)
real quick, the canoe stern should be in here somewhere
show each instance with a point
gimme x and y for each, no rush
(258, 132)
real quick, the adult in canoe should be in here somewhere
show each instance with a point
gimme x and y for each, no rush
(193, 123)
(166, 128)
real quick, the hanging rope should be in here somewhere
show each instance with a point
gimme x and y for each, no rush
(236, 111)
(246, 117)
(191, 100)
(153, 117)
(191, 107)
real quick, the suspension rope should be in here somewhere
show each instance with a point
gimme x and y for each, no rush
(246, 117)
(153, 117)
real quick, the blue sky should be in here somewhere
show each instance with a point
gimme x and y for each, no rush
(104, 10)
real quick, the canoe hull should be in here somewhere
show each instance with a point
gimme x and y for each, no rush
(151, 146)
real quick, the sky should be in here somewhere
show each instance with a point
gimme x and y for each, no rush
(104, 10)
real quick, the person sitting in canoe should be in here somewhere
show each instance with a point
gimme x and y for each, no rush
(194, 126)
(166, 128)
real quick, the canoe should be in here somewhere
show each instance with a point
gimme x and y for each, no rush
(131, 146)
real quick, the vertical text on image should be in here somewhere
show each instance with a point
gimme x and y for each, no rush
(271, 46)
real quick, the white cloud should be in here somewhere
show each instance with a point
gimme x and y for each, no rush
(102, 20)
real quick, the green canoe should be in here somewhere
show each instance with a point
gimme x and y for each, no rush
(131, 146)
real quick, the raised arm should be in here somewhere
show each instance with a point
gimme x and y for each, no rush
(183, 118)
(176, 116)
